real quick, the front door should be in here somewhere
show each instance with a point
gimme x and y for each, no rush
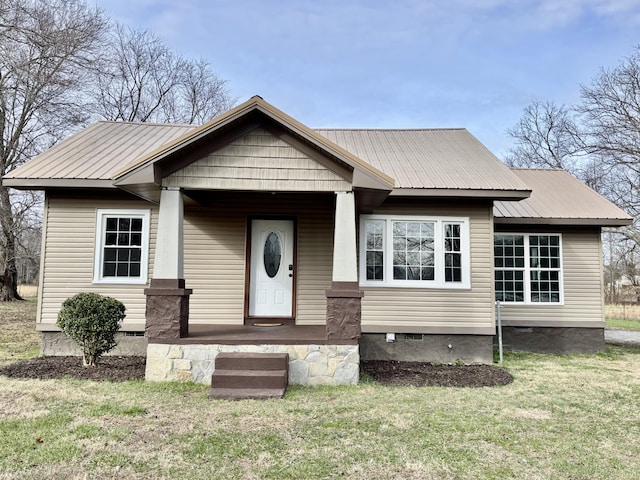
(271, 271)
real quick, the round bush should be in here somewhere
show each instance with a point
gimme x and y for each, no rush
(92, 321)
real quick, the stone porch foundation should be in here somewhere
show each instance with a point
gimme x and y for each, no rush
(308, 364)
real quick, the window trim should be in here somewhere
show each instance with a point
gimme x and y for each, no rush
(527, 269)
(101, 225)
(439, 252)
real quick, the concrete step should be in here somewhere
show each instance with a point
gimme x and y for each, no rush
(250, 375)
(249, 378)
(252, 361)
(246, 393)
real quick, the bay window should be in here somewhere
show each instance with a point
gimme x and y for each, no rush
(412, 251)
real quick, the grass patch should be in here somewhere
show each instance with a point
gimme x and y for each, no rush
(619, 323)
(116, 410)
(562, 417)
(35, 442)
(18, 337)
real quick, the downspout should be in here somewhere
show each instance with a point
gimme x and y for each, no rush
(499, 311)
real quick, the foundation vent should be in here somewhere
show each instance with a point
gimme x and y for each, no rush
(134, 334)
(414, 336)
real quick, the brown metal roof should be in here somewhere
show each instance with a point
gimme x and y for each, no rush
(431, 160)
(560, 199)
(94, 153)
(444, 162)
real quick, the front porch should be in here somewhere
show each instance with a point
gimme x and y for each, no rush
(181, 348)
(255, 335)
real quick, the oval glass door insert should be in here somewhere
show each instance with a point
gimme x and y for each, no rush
(272, 254)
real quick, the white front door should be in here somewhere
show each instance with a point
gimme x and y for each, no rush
(271, 282)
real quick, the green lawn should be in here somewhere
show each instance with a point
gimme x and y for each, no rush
(623, 316)
(623, 324)
(563, 418)
(18, 336)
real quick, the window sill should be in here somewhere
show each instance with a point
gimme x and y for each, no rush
(532, 304)
(120, 281)
(457, 286)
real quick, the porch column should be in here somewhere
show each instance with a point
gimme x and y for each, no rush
(167, 312)
(344, 297)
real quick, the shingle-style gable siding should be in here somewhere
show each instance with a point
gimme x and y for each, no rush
(258, 161)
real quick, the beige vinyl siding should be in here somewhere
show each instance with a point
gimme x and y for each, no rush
(583, 286)
(258, 161)
(215, 250)
(423, 310)
(69, 245)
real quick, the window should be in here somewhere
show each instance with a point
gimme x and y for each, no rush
(528, 268)
(122, 246)
(426, 252)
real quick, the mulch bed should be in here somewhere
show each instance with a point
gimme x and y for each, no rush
(419, 374)
(111, 368)
(119, 369)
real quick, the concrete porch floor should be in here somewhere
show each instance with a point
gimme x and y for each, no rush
(201, 334)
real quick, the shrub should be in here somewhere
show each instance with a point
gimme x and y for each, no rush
(91, 320)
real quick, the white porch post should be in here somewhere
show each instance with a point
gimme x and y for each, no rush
(169, 257)
(345, 264)
(344, 297)
(167, 312)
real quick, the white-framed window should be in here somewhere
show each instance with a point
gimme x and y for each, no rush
(122, 246)
(414, 251)
(528, 268)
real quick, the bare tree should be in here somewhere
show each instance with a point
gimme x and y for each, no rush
(547, 137)
(62, 64)
(27, 217)
(45, 48)
(610, 109)
(140, 79)
(598, 141)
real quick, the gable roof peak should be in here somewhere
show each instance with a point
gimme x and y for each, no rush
(241, 112)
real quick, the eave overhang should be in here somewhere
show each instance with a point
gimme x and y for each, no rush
(512, 195)
(591, 222)
(46, 183)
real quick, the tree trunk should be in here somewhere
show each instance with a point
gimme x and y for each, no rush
(9, 277)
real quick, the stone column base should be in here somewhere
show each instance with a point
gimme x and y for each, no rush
(167, 312)
(344, 311)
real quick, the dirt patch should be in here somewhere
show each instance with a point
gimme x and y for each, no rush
(111, 368)
(419, 374)
(118, 369)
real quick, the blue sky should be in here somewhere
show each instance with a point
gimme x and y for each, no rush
(398, 63)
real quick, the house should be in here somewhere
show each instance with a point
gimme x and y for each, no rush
(255, 233)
